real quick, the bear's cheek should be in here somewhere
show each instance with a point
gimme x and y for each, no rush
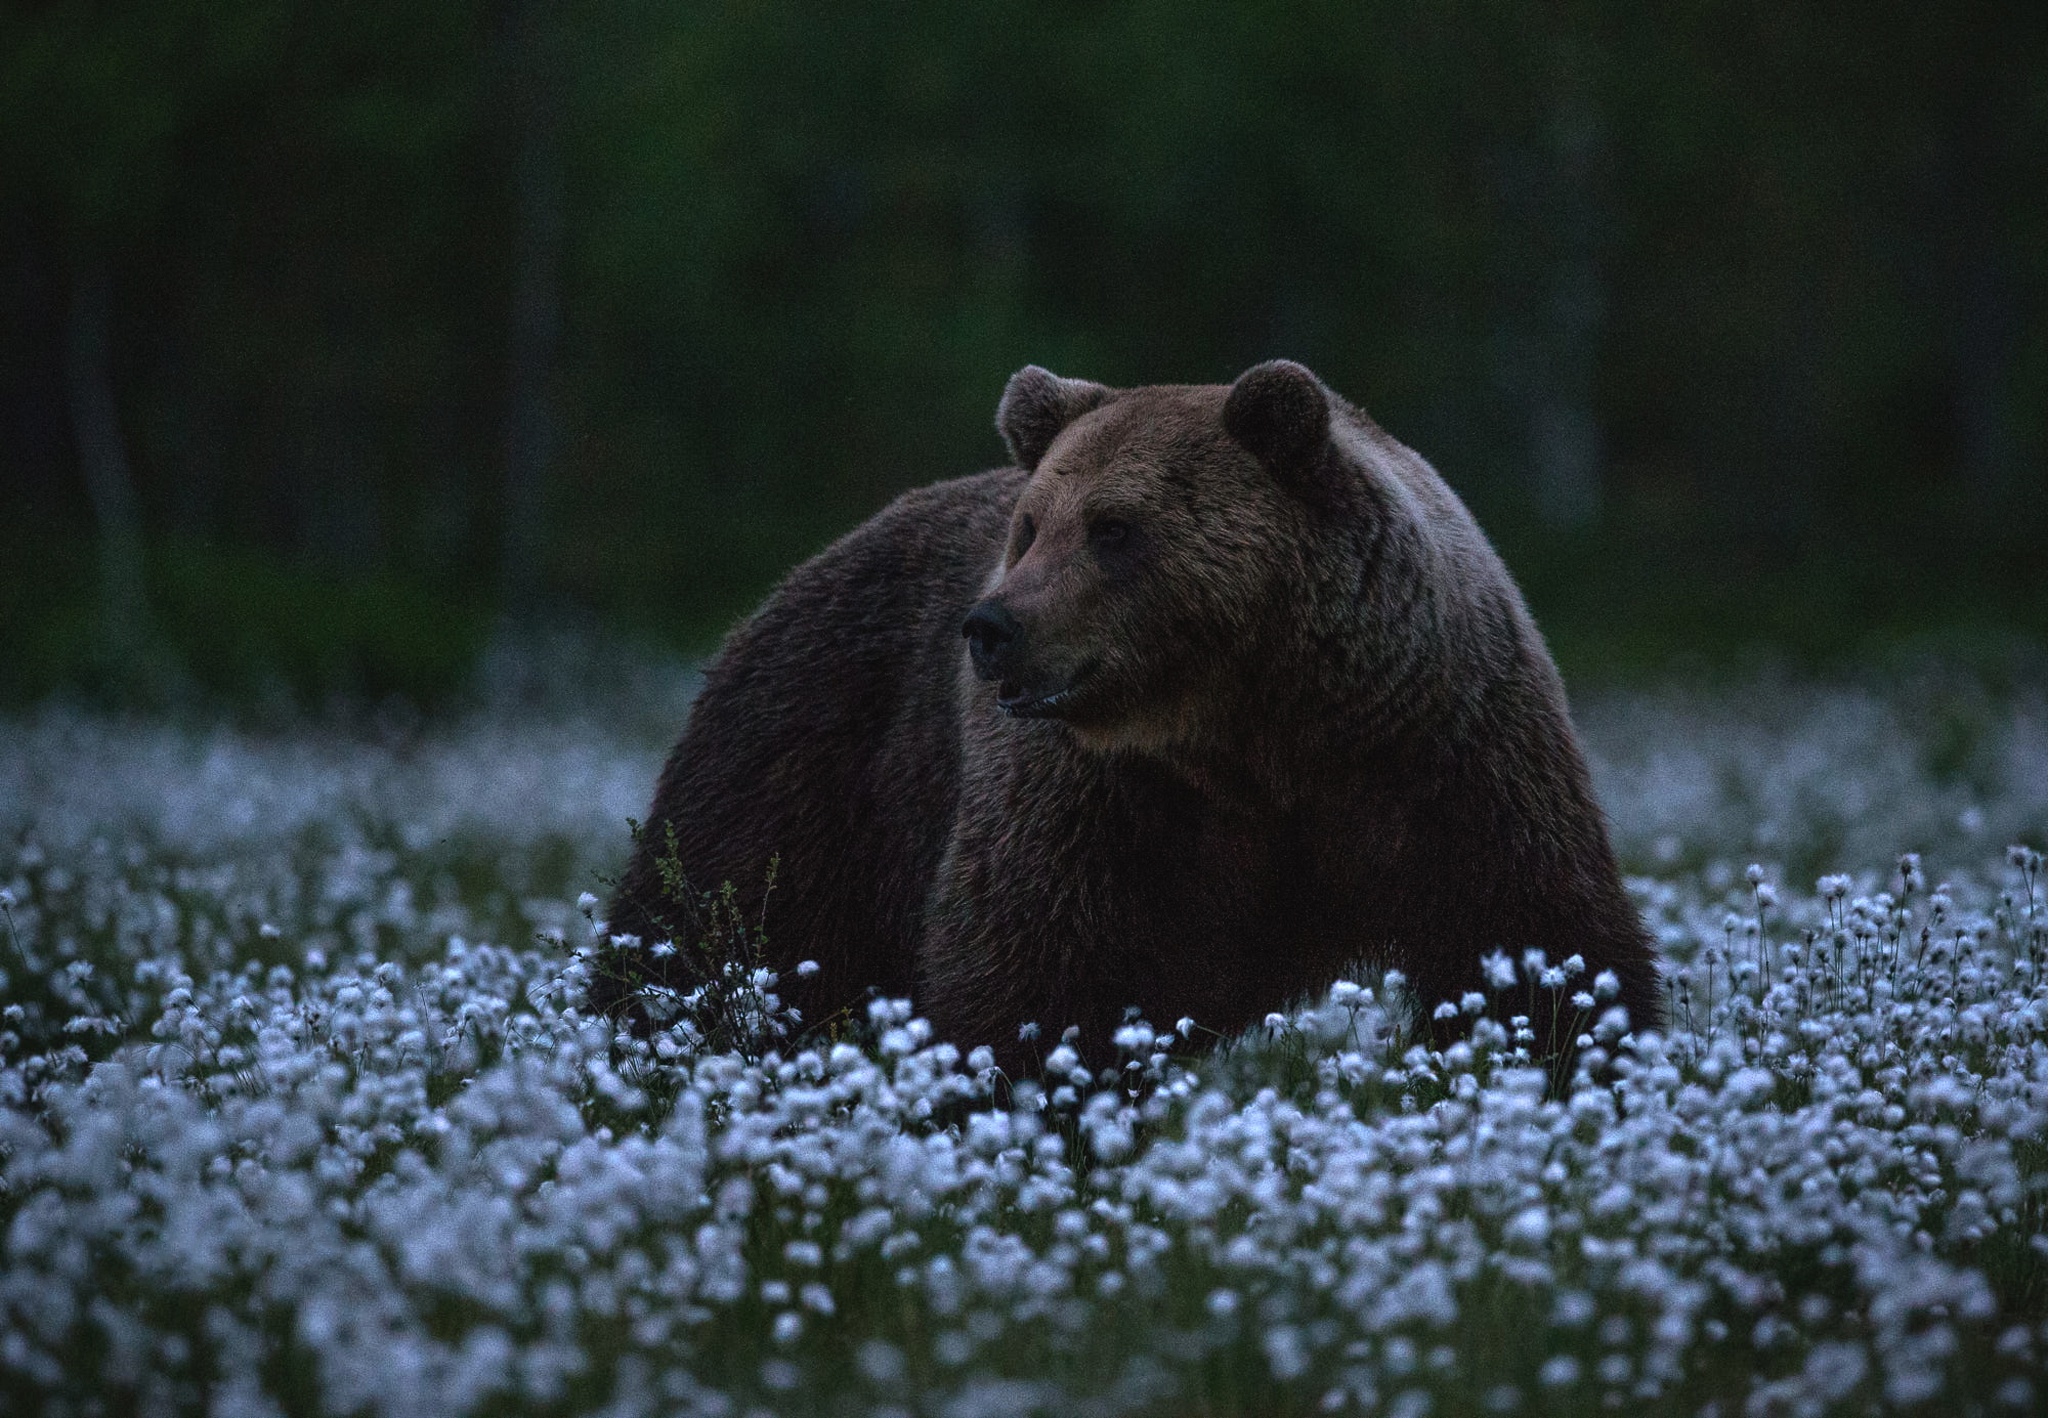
(1061, 647)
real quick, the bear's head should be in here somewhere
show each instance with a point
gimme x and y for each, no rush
(1159, 538)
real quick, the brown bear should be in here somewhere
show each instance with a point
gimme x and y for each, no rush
(1217, 694)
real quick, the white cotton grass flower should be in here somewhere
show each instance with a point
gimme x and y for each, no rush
(383, 1155)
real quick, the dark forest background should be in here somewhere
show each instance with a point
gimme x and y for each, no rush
(334, 338)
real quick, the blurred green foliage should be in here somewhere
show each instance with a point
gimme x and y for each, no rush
(1730, 320)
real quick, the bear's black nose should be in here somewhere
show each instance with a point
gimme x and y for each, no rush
(991, 635)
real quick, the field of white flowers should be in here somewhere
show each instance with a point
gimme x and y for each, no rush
(299, 1113)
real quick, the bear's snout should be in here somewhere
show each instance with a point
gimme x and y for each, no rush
(993, 637)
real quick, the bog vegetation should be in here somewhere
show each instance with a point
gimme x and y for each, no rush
(300, 1112)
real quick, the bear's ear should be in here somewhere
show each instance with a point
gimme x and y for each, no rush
(1036, 405)
(1280, 413)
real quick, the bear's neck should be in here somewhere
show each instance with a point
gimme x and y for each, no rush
(1321, 709)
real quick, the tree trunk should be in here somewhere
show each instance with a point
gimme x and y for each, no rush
(1566, 445)
(536, 314)
(103, 458)
(1984, 328)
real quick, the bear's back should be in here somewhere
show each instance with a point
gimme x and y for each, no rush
(826, 739)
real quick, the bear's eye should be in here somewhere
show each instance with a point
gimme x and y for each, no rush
(1027, 533)
(1109, 532)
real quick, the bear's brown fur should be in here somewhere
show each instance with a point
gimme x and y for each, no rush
(1247, 700)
